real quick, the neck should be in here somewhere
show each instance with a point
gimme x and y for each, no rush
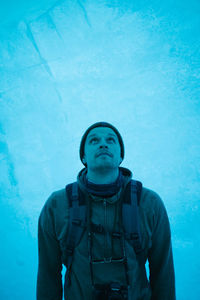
(102, 177)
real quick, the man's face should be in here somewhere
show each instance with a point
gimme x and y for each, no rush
(102, 140)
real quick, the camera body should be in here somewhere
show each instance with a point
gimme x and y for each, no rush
(112, 291)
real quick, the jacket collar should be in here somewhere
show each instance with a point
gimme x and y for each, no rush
(109, 191)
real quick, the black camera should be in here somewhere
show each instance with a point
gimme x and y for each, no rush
(112, 291)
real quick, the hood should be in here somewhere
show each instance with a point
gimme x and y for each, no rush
(126, 177)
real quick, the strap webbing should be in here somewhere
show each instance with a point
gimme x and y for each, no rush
(130, 214)
(76, 225)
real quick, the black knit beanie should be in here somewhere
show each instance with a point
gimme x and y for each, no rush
(100, 124)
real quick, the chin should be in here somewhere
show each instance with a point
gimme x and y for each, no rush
(105, 166)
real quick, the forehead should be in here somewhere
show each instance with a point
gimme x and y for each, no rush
(102, 131)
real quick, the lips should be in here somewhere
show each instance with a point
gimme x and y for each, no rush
(104, 153)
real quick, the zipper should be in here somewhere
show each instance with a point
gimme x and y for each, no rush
(105, 221)
(106, 238)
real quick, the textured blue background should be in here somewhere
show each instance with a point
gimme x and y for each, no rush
(67, 64)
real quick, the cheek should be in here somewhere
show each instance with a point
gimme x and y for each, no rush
(118, 151)
(91, 154)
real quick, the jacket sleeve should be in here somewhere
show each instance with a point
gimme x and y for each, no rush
(162, 277)
(49, 277)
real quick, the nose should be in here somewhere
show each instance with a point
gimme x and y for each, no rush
(103, 143)
(103, 146)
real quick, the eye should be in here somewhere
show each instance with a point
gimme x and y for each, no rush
(111, 139)
(93, 139)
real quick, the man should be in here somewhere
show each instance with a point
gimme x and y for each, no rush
(102, 266)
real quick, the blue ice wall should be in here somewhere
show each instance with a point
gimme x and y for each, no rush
(67, 64)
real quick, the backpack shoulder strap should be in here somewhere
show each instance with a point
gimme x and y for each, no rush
(130, 216)
(76, 223)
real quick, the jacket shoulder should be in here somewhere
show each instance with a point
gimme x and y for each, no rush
(151, 201)
(146, 192)
(153, 212)
(56, 198)
(55, 213)
(54, 204)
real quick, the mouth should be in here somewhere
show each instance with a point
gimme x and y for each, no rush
(103, 153)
